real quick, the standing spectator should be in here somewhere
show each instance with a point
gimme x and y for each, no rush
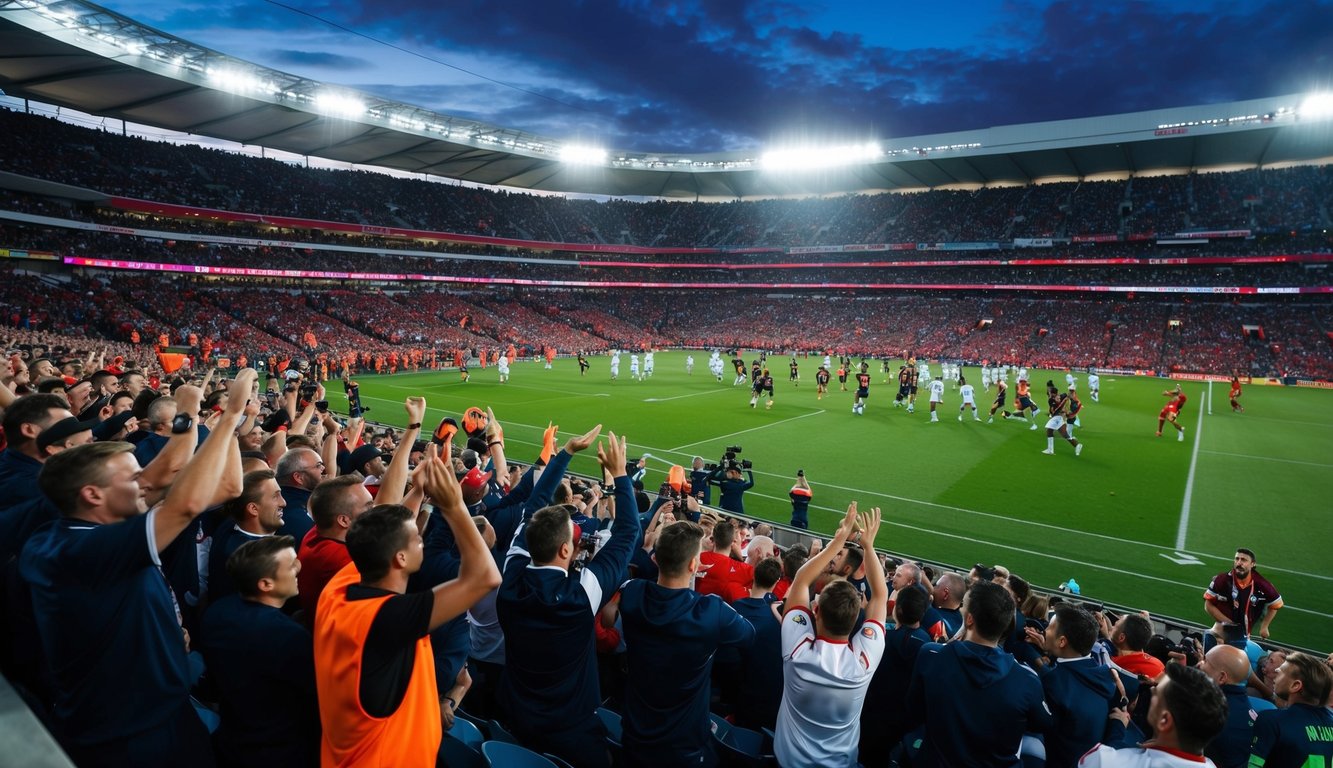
(1301, 734)
(298, 472)
(256, 513)
(543, 605)
(1237, 599)
(948, 601)
(824, 686)
(262, 662)
(1186, 713)
(672, 634)
(335, 504)
(123, 699)
(378, 699)
(1080, 692)
(976, 701)
(724, 575)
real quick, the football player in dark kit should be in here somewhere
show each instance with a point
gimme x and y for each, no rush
(583, 364)
(862, 393)
(763, 383)
(739, 365)
(821, 382)
(795, 376)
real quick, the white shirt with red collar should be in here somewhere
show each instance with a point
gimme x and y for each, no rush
(1102, 756)
(824, 686)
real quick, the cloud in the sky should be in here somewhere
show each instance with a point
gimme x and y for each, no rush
(697, 76)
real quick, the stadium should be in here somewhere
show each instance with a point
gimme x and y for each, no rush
(1165, 272)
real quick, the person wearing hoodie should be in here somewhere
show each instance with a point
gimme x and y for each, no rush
(550, 689)
(1083, 696)
(976, 701)
(673, 633)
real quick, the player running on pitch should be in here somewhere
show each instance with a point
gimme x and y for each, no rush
(1236, 407)
(1001, 394)
(936, 398)
(1025, 404)
(821, 382)
(1057, 409)
(862, 393)
(1172, 411)
(969, 397)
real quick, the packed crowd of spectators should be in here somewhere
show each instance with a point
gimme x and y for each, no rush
(1270, 199)
(268, 585)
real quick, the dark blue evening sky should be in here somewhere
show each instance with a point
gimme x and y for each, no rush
(713, 75)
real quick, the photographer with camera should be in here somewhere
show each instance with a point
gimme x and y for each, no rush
(731, 484)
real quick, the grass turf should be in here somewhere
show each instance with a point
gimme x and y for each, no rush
(975, 492)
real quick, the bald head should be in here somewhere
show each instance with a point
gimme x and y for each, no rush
(1227, 664)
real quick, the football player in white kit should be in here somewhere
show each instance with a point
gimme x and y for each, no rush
(924, 368)
(969, 399)
(648, 363)
(985, 377)
(615, 365)
(502, 367)
(689, 364)
(936, 397)
(1069, 380)
(634, 367)
(1094, 386)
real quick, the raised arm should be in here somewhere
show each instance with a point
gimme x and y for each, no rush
(196, 484)
(877, 609)
(495, 441)
(798, 596)
(611, 562)
(394, 483)
(161, 472)
(477, 573)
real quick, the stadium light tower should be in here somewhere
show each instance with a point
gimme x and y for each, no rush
(1317, 106)
(805, 158)
(582, 155)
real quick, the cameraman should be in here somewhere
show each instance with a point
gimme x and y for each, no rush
(732, 485)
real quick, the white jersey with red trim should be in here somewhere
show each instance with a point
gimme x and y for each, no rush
(824, 685)
(1102, 756)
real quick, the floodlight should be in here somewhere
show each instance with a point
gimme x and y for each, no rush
(576, 153)
(807, 158)
(339, 105)
(1317, 105)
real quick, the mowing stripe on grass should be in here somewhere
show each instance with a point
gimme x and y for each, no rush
(1270, 458)
(905, 499)
(744, 431)
(1189, 486)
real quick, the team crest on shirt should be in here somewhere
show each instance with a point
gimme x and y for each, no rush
(868, 632)
(799, 619)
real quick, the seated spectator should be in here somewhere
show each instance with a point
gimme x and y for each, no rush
(759, 670)
(724, 575)
(672, 634)
(885, 710)
(1229, 667)
(1300, 734)
(1130, 637)
(262, 662)
(824, 686)
(1187, 711)
(104, 538)
(975, 700)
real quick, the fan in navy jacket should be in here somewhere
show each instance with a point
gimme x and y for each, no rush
(550, 688)
(1080, 692)
(1230, 668)
(672, 634)
(975, 699)
(885, 708)
(1187, 712)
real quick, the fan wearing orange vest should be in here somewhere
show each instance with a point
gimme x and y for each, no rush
(378, 701)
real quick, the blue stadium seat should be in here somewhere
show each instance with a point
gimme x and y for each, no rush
(556, 760)
(456, 754)
(498, 733)
(467, 732)
(720, 725)
(501, 755)
(743, 748)
(612, 722)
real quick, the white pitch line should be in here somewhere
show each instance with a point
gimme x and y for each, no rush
(1118, 569)
(1270, 458)
(681, 397)
(744, 431)
(908, 500)
(1189, 486)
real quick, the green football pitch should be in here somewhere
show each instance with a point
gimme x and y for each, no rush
(1137, 520)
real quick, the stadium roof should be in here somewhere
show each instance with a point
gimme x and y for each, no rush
(74, 54)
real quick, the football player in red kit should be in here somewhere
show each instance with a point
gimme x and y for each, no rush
(1172, 411)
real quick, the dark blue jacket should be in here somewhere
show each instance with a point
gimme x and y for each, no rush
(548, 614)
(1080, 694)
(976, 702)
(760, 666)
(1231, 747)
(672, 636)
